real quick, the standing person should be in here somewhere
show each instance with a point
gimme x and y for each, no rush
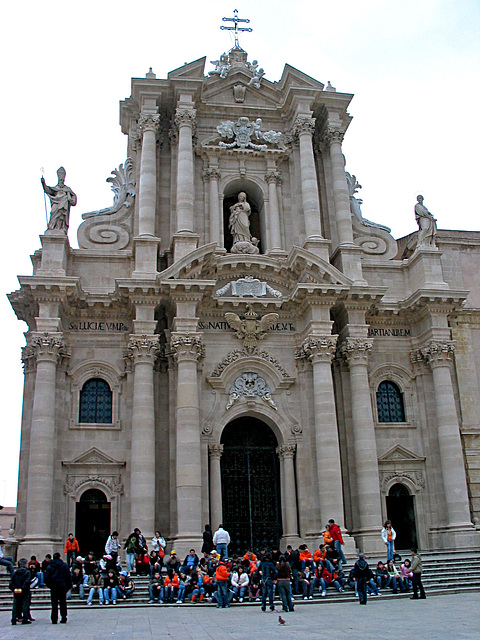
(417, 570)
(388, 536)
(268, 574)
(207, 545)
(338, 542)
(362, 574)
(19, 585)
(221, 540)
(71, 549)
(6, 561)
(221, 577)
(284, 576)
(59, 581)
(132, 549)
(112, 546)
(158, 545)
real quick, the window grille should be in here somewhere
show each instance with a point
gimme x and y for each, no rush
(95, 402)
(390, 407)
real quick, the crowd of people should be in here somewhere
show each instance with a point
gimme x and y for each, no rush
(213, 576)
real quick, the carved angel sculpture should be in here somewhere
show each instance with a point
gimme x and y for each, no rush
(250, 329)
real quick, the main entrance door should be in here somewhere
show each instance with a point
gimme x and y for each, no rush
(401, 511)
(92, 522)
(251, 485)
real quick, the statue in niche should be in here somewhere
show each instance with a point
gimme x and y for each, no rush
(239, 222)
(61, 199)
(427, 225)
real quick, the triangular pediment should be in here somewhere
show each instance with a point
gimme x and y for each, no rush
(93, 457)
(192, 70)
(399, 453)
(220, 91)
(292, 77)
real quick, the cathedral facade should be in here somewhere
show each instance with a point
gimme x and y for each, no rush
(234, 342)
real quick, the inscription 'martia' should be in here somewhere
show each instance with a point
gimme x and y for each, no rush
(394, 333)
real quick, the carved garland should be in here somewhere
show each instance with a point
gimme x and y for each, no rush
(416, 478)
(236, 354)
(75, 482)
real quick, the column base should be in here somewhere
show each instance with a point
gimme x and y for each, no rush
(145, 249)
(55, 251)
(461, 537)
(290, 538)
(184, 243)
(183, 543)
(369, 541)
(319, 246)
(347, 258)
(425, 269)
(39, 546)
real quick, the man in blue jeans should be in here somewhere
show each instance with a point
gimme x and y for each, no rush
(221, 540)
(268, 574)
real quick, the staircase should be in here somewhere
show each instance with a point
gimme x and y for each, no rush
(443, 573)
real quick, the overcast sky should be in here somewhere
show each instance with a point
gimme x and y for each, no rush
(413, 67)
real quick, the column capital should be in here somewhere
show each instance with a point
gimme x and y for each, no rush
(215, 451)
(303, 125)
(48, 346)
(332, 134)
(273, 176)
(356, 350)
(142, 349)
(29, 358)
(318, 348)
(186, 347)
(286, 451)
(211, 174)
(438, 353)
(185, 117)
(149, 122)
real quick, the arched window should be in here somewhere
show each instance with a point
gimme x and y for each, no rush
(95, 402)
(390, 407)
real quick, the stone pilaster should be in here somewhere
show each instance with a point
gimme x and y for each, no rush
(439, 355)
(273, 178)
(356, 351)
(187, 349)
(142, 351)
(215, 452)
(185, 121)
(212, 174)
(48, 349)
(148, 124)
(286, 453)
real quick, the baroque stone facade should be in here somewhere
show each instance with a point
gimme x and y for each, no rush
(232, 329)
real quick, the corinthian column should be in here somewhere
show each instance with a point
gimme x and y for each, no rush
(215, 452)
(273, 178)
(304, 128)
(185, 121)
(187, 349)
(356, 352)
(320, 350)
(286, 453)
(334, 138)
(48, 348)
(439, 356)
(148, 125)
(143, 350)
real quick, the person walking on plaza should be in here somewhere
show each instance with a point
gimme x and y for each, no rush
(19, 585)
(417, 570)
(362, 574)
(71, 549)
(59, 581)
(6, 561)
(221, 540)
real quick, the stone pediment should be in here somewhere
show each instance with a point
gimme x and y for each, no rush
(220, 91)
(398, 453)
(194, 70)
(93, 457)
(292, 77)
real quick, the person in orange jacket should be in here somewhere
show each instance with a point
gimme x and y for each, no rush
(221, 576)
(171, 584)
(71, 549)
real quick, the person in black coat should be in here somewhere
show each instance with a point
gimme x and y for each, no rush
(207, 545)
(59, 580)
(362, 574)
(19, 585)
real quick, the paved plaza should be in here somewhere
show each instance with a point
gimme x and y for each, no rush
(451, 616)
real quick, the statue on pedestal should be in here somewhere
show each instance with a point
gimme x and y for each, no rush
(239, 225)
(427, 225)
(61, 199)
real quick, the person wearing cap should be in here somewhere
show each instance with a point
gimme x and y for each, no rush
(6, 561)
(126, 586)
(173, 563)
(362, 574)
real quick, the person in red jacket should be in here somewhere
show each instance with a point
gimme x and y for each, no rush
(71, 549)
(221, 576)
(336, 534)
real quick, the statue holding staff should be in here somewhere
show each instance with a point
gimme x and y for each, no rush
(61, 199)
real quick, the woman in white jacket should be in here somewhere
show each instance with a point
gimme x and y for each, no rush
(388, 536)
(240, 582)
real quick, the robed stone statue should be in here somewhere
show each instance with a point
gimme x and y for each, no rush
(61, 199)
(427, 225)
(239, 225)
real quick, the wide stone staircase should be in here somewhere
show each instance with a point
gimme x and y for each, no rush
(443, 573)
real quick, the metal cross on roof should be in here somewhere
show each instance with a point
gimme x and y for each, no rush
(235, 28)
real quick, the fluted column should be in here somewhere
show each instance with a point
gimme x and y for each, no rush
(48, 348)
(185, 121)
(213, 175)
(273, 178)
(187, 349)
(148, 125)
(286, 453)
(304, 128)
(215, 452)
(333, 137)
(439, 356)
(143, 350)
(356, 352)
(320, 350)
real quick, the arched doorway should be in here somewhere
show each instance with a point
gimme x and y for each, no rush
(251, 485)
(92, 522)
(401, 511)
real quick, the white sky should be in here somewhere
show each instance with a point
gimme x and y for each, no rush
(414, 68)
